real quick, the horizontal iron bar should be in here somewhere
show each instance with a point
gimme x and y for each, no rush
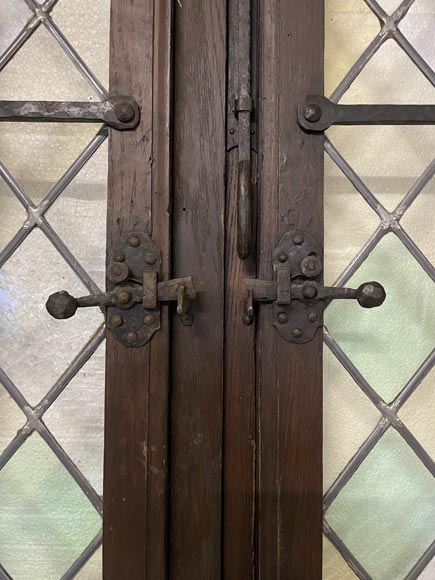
(120, 113)
(317, 113)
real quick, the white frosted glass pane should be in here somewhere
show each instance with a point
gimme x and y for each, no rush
(389, 5)
(93, 569)
(35, 348)
(12, 214)
(349, 418)
(11, 418)
(390, 77)
(429, 572)
(13, 18)
(418, 221)
(77, 419)
(334, 567)
(38, 154)
(388, 159)
(418, 27)
(79, 215)
(87, 27)
(46, 521)
(41, 70)
(343, 47)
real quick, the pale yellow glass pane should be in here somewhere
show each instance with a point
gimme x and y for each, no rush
(93, 569)
(419, 411)
(349, 418)
(79, 215)
(418, 221)
(343, 46)
(345, 236)
(334, 567)
(390, 77)
(46, 521)
(77, 419)
(41, 70)
(34, 347)
(388, 159)
(12, 214)
(38, 154)
(87, 27)
(11, 418)
(13, 18)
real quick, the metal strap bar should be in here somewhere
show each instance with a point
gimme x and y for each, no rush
(120, 113)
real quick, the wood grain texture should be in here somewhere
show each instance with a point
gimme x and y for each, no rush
(239, 409)
(198, 238)
(289, 392)
(135, 475)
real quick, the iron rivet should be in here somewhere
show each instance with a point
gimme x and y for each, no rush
(132, 337)
(187, 320)
(282, 257)
(296, 332)
(309, 291)
(232, 131)
(311, 265)
(312, 113)
(124, 112)
(150, 259)
(313, 317)
(247, 320)
(282, 318)
(118, 257)
(134, 241)
(123, 297)
(298, 239)
(149, 320)
(116, 320)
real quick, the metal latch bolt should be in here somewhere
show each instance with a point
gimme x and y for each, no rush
(297, 294)
(132, 304)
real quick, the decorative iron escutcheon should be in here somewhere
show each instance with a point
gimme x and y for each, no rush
(297, 293)
(132, 302)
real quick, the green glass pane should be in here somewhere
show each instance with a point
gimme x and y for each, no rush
(45, 519)
(389, 343)
(386, 513)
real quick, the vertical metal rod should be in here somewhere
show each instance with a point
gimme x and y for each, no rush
(243, 109)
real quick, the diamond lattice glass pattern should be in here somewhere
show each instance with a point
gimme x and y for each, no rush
(52, 237)
(380, 509)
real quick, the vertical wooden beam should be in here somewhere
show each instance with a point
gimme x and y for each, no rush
(135, 488)
(197, 363)
(289, 394)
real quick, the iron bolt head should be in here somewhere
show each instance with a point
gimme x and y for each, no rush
(371, 295)
(149, 320)
(123, 297)
(124, 112)
(118, 257)
(132, 337)
(282, 317)
(313, 317)
(298, 239)
(312, 113)
(297, 333)
(150, 259)
(309, 290)
(311, 266)
(61, 305)
(282, 257)
(116, 320)
(117, 271)
(134, 241)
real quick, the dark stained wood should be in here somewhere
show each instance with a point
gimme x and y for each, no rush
(198, 241)
(289, 394)
(239, 410)
(135, 484)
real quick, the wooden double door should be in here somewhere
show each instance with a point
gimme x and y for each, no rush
(213, 445)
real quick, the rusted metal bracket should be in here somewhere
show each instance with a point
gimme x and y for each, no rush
(297, 293)
(317, 113)
(132, 302)
(121, 113)
(241, 126)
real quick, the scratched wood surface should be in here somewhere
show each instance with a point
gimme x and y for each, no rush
(136, 416)
(198, 238)
(289, 391)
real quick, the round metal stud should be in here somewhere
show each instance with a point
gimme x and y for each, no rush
(282, 317)
(124, 112)
(123, 297)
(116, 320)
(311, 266)
(150, 259)
(312, 113)
(132, 337)
(297, 333)
(282, 257)
(149, 320)
(134, 241)
(309, 290)
(117, 272)
(313, 316)
(298, 239)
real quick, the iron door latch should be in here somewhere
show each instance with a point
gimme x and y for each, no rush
(132, 302)
(297, 293)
